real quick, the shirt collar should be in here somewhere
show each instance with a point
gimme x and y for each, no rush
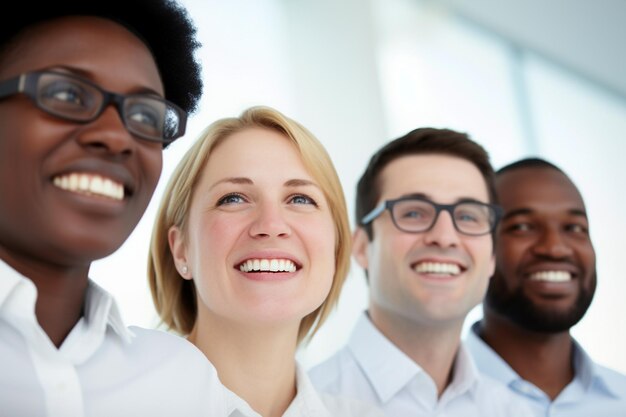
(387, 368)
(10, 281)
(18, 296)
(483, 354)
(589, 374)
(594, 376)
(465, 375)
(307, 402)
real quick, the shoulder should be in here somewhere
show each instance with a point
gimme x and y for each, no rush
(328, 374)
(338, 405)
(166, 348)
(142, 337)
(614, 380)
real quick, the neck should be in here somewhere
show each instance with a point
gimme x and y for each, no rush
(544, 359)
(432, 347)
(61, 292)
(257, 364)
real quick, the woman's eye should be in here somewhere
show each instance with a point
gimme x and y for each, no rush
(231, 199)
(144, 115)
(65, 93)
(302, 199)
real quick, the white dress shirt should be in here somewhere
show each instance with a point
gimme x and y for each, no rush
(371, 368)
(594, 391)
(102, 368)
(310, 403)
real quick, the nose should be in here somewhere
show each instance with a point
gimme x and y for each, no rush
(107, 135)
(442, 233)
(552, 244)
(269, 222)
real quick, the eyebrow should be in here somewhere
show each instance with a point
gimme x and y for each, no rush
(232, 180)
(247, 181)
(87, 75)
(458, 200)
(300, 183)
(526, 211)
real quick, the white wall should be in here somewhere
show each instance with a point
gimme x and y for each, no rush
(360, 72)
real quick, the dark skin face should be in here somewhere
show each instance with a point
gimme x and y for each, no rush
(545, 262)
(51, 234)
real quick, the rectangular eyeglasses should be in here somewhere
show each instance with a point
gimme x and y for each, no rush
(78, 100)
(416, 214)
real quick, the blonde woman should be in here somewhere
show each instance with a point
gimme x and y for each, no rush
(249, 254)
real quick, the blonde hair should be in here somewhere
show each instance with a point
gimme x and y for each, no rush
(175, 297)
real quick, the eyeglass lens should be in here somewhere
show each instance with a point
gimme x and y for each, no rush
(418, 215)
(70, 98)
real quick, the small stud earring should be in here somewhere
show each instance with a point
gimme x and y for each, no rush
(184, 269)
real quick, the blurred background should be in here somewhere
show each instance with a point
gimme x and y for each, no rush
(522, 78)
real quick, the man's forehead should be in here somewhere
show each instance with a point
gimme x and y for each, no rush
(443, 178)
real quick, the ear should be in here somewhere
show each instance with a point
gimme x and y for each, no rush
(176, 240)
(360, 242)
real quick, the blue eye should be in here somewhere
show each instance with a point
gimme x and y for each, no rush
(302, 199)
(465, 217)
(411, 214)
(231, 199)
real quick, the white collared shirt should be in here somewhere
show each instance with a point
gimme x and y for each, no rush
(309, 403)
(371, 368)
(594, 391)
(102, 368)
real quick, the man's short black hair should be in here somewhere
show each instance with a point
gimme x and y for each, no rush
(531, 162)
(163, 25)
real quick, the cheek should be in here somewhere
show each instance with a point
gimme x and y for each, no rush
(212, 238)
(481, 251)
(509, 252)
(151, 157)
(322, 236)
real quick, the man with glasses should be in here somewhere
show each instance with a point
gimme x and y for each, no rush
(426, 214)
(544, 282)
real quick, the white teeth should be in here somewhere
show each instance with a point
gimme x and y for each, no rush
(90, 184)
(271, 265)
(438, 268)
(551, 276)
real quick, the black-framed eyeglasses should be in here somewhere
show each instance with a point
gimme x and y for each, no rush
(78, 100)
(417, 214)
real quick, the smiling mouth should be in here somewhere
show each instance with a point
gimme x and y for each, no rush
(268, 265)
(438, 268)
(90, 184)
(551, 276)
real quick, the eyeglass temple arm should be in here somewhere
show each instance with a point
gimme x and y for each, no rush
(374, 213)
(12, 86)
